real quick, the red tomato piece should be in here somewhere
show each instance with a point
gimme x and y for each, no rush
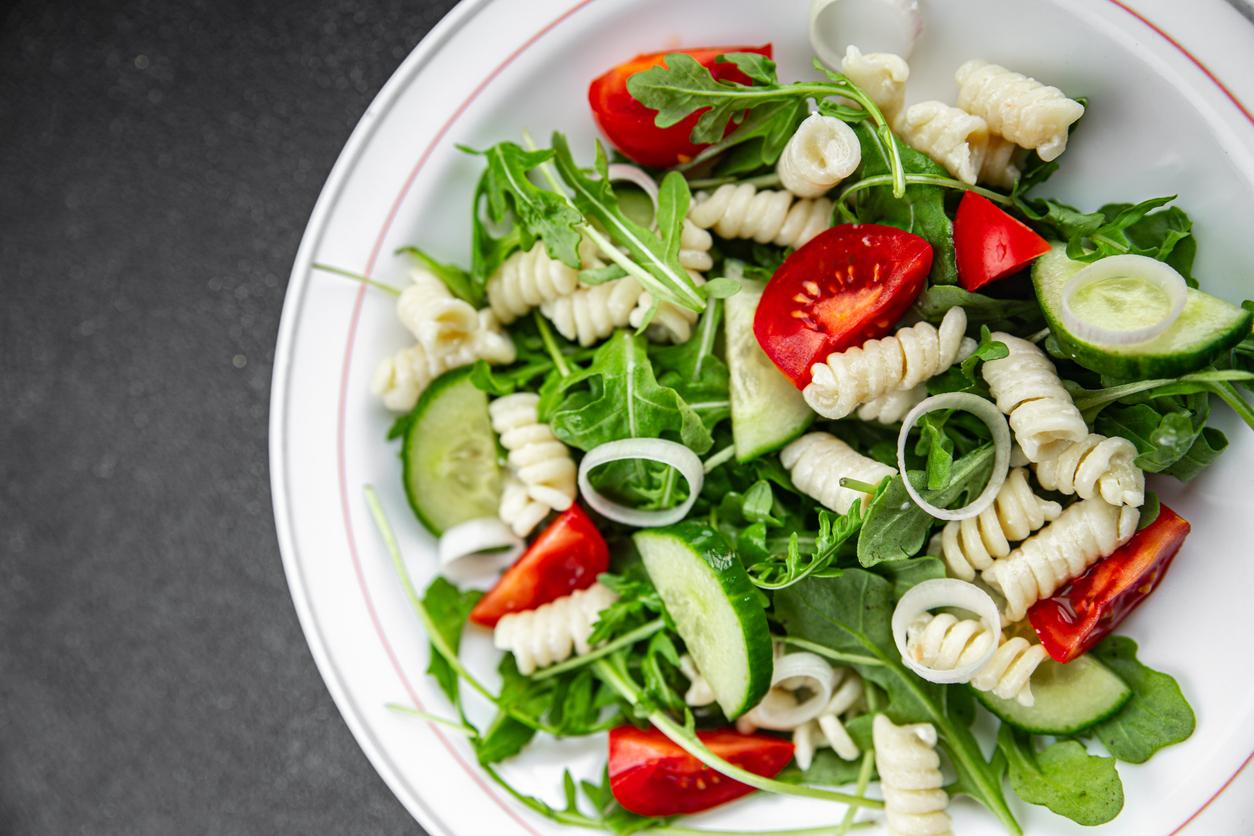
(652, 776)
(1092, 606)
(628, 125)
(989, 244)
(566, 557)
(847, 285)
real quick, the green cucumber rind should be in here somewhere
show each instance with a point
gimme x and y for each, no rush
(719, 561)
(1232, 325)
(1055, 702)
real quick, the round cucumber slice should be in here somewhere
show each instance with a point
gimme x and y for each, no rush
(1069, 698)
(448, 456)
(1207, 326)
(715, 608)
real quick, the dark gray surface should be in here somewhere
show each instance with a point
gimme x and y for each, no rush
(158, 163)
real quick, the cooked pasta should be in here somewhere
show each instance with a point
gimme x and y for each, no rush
(1002, 164)
(490, 343)
(881, 75)
(971, 545)
(828, 728)
(881, 367)
(671, 323)
(945, 642)
(526, 280)
(822, 152)
(949, 135)
(818, 461)
(699, 693)
(694, 247)
(553, 632)
(517, 509)
(891, 408)
(592, 312)
(540, 461)
(768, 217)
(1084, 533)
(1094, 466)
(399, 379)
(436, 318)
(1027, 389)
(910, 777)
(1017, 107)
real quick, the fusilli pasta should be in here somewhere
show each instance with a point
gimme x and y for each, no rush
(827, 728)
(1027, 389)
(517, 509)
(540, 461)
(971, 545)
(768, 217)
(1017, 107)
(527, 279)
(891, 408)
(910, 776)
(437, 319)
(592, 312)
(881, 75)
(699, 693)
(694, 247)
(1003, 162)
(822, 152)
(949, 135)
(400, 378)
(881, 367)
(1061, 551)
(945, 642)
(671, 323)
(553, 632)
(818, 461)
(1094, 466)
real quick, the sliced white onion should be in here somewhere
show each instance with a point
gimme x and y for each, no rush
(871, 25)
(649, 449)
(482, 536)
(779, 709)
(1136, 267)
(622, 172)
(945, 592)
(987, 412)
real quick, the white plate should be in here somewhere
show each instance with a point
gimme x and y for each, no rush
(1159, 124)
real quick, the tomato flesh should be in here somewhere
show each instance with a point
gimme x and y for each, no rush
(628, 125)
(566, 557)
(1092, 606)
(652, 776)
(847, 285)
(989, 244)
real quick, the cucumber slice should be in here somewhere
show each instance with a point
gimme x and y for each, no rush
(448, 456)
(1069, 698)
(767, 410)
(715, 608)
(1207, 326)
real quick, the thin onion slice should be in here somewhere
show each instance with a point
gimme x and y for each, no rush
(622, 172)
(649, 449)
(945, 592)
(482, 536)
(779, 709)
(1135, 267)
(987, 412)
(871, 25)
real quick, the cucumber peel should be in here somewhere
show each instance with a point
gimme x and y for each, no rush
(1069, 698)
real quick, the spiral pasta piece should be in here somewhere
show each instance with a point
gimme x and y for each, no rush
(526, 280)
(910, 777)
(1094, 466)
(818, 461)
(671, 323)
(1002, 164)
(517, 509)
(949, 135)
(891, 408)
(400, 378)
(553, 632)
(1019, 108)
(540, 461)
(436, 318)
(768, 217)
(881, 75)
(699, 693)
(973, 544)
(1027, 389)
(822, 152)
(849, 378)
(945, 642)
(694, 248)
(490, 343)
(592, 312)
(828, 729)
(1061, 551)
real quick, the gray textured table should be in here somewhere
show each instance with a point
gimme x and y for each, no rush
(158, 162)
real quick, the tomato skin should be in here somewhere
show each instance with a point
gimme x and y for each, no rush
(1092, 606)
(652, 776)
(566, 557)
(847, 285)
(628, 125)
(989, 244)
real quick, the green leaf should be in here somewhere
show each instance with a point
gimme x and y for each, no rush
(695, 371)
(1016, 315)
(1157, 716)
(459, 283)
(826, 770)
(506, 736)
(1208, 446)
(449, 607)
(1063, 777)
(538, 213)
(904, 574)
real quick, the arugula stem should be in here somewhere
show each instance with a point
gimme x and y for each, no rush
(824, 650)
(917, 180)
(762, 181)
(1232, 398)
(357, 277)
(1094, 399)
(864, 778)
(721, 457)
(688, 741)
(625, 640)
(460, 728)
(858, 485)
(550, 344)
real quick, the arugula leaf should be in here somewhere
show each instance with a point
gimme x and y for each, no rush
(1157, 716)
(449, 608)
(826, 770)
(904, 574)
(1016, 315)
(851, 614)
(1207, 447)
(780, 571)
(459, 283)
(1063, 777)
(1164, 430)
(694, 371)
(506, 736)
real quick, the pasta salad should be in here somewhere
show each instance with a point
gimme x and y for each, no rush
(808, 431)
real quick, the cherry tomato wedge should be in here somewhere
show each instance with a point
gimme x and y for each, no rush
(1092, 606)
(628, 125)
(652, 776)
(847, 285)
(566, 557)
(989, 244)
